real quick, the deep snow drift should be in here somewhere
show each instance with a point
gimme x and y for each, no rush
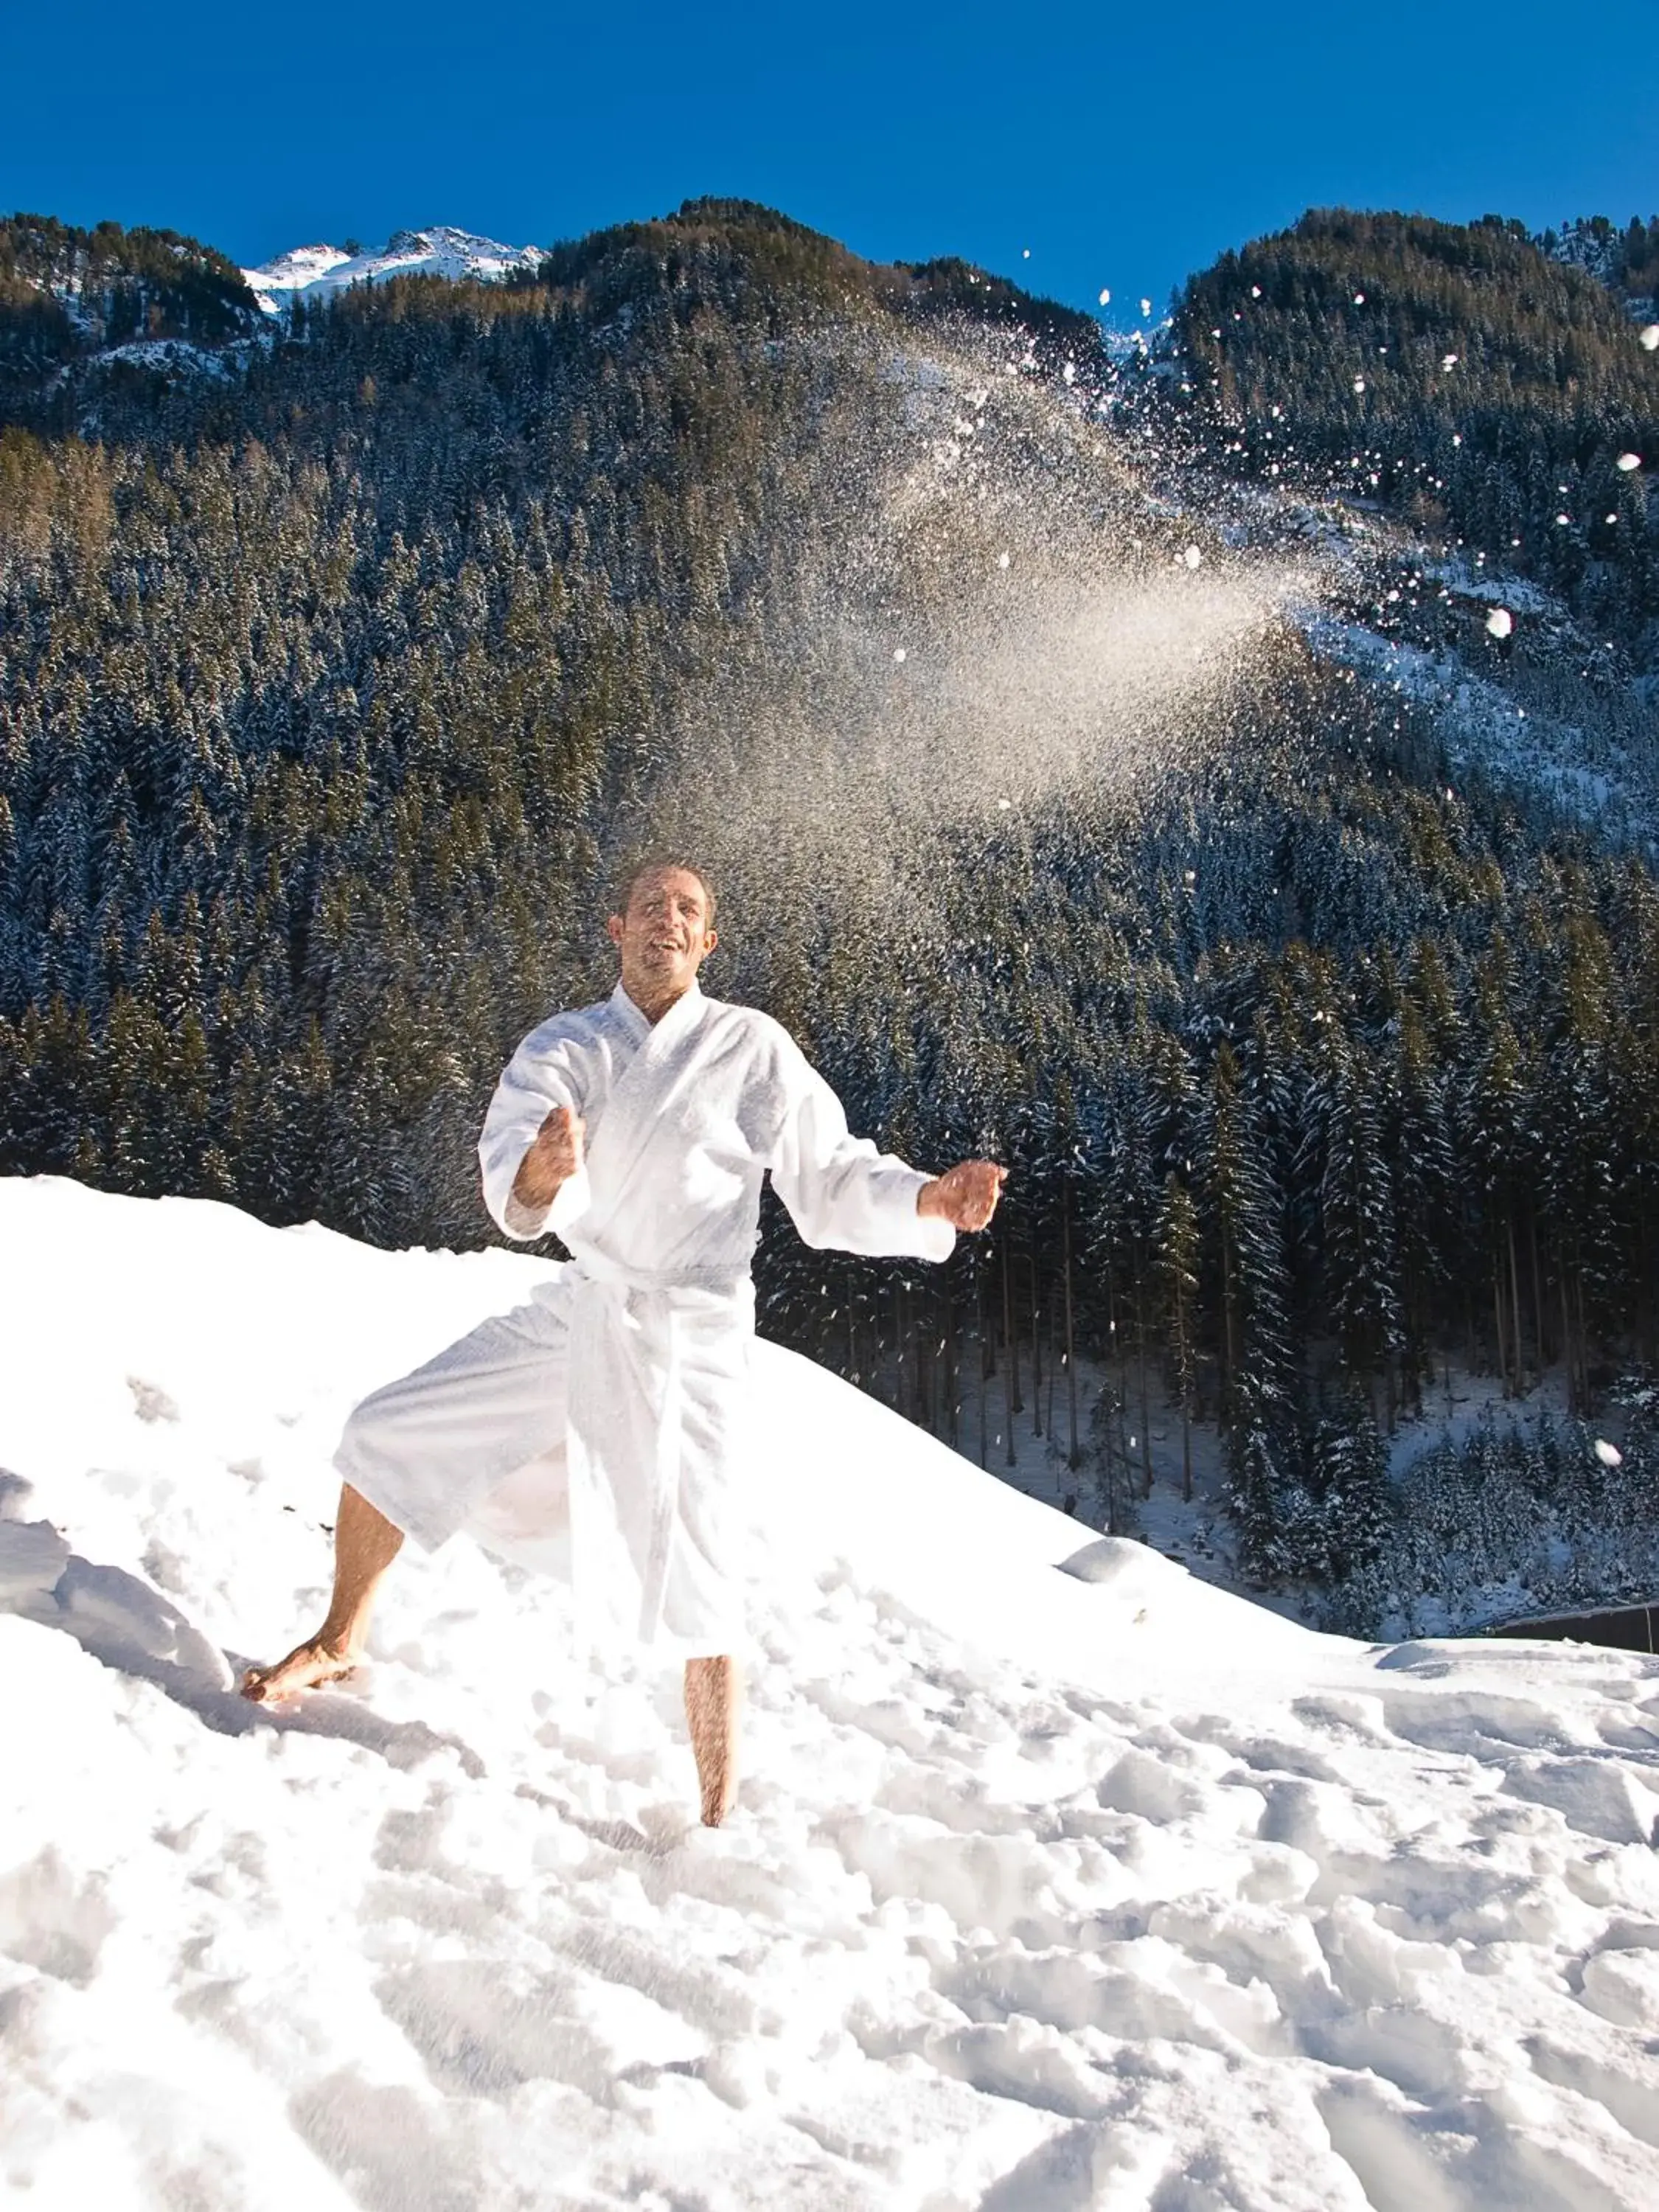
(1045, 1890)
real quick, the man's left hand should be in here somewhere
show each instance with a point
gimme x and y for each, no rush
(965, 1195)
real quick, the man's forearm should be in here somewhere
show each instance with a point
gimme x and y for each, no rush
(538, 1181)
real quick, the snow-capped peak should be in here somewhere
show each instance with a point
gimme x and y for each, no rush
(317, 271)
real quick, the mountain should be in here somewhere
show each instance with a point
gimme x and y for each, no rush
(1077, 788)
(1498, 400)
(1054, 1877)
(313, 272)
(1626, 261)
(134, 299)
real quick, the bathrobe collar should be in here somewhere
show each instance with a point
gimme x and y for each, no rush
(688, 1005)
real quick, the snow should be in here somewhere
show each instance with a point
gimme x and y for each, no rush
(1648, 336)
(1045, 1889)
(1500, 622)
(1591, 781)
(315, 272)
(1629, 461)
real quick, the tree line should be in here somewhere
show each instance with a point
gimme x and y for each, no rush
(333, 684)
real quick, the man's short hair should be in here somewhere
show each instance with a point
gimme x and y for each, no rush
(654, 863)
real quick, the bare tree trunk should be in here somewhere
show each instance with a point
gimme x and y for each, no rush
(1230, 1329)
(1538, 1290)
(1010, 1361)
(1583, 1340)
(1011, 1337)
(981, 1362)
(1036, 1355)
(1515, 1303)
(952, 1364)
(1183, 1386)
(1146, 1398)
(1053, 1363)
(1074, 1456)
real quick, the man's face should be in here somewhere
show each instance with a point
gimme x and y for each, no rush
(664, 938)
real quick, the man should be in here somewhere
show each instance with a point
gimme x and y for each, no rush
(605, 1415)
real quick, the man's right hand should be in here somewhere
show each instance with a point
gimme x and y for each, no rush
(552, 1160)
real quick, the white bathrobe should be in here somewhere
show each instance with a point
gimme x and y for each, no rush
(600, 1430)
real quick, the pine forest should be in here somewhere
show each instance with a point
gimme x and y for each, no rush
(1053, 716)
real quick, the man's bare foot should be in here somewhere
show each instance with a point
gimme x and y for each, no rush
(308, 1666)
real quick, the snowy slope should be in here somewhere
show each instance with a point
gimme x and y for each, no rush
(1043, 1891)
(313, 271)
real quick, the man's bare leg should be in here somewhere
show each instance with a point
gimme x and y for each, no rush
(365, 1544)
(714, 1688)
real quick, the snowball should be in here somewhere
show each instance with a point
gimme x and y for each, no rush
(1629, 461)
(1648, 336)
(1500, 622)
(1609, 1455)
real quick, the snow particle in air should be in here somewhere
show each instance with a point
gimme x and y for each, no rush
(1025, 253)
(1448, 361)
(1255, 291)
(1359, 384)
(1648, 336)
(898, 653)
(1500, 622)
(1002, 560)
(1609, 1455)
(1192, 557)
(1629, 461)
(1105, 295)
(1360, 299)
(1146, 307)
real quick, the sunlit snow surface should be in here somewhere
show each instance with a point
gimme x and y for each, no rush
(314, 271)
(1044, 1890)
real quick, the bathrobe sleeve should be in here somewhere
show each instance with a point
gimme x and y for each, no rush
(842, 1192)
(548, 1069)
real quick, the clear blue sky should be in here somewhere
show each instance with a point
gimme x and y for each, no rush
(1124, 147)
